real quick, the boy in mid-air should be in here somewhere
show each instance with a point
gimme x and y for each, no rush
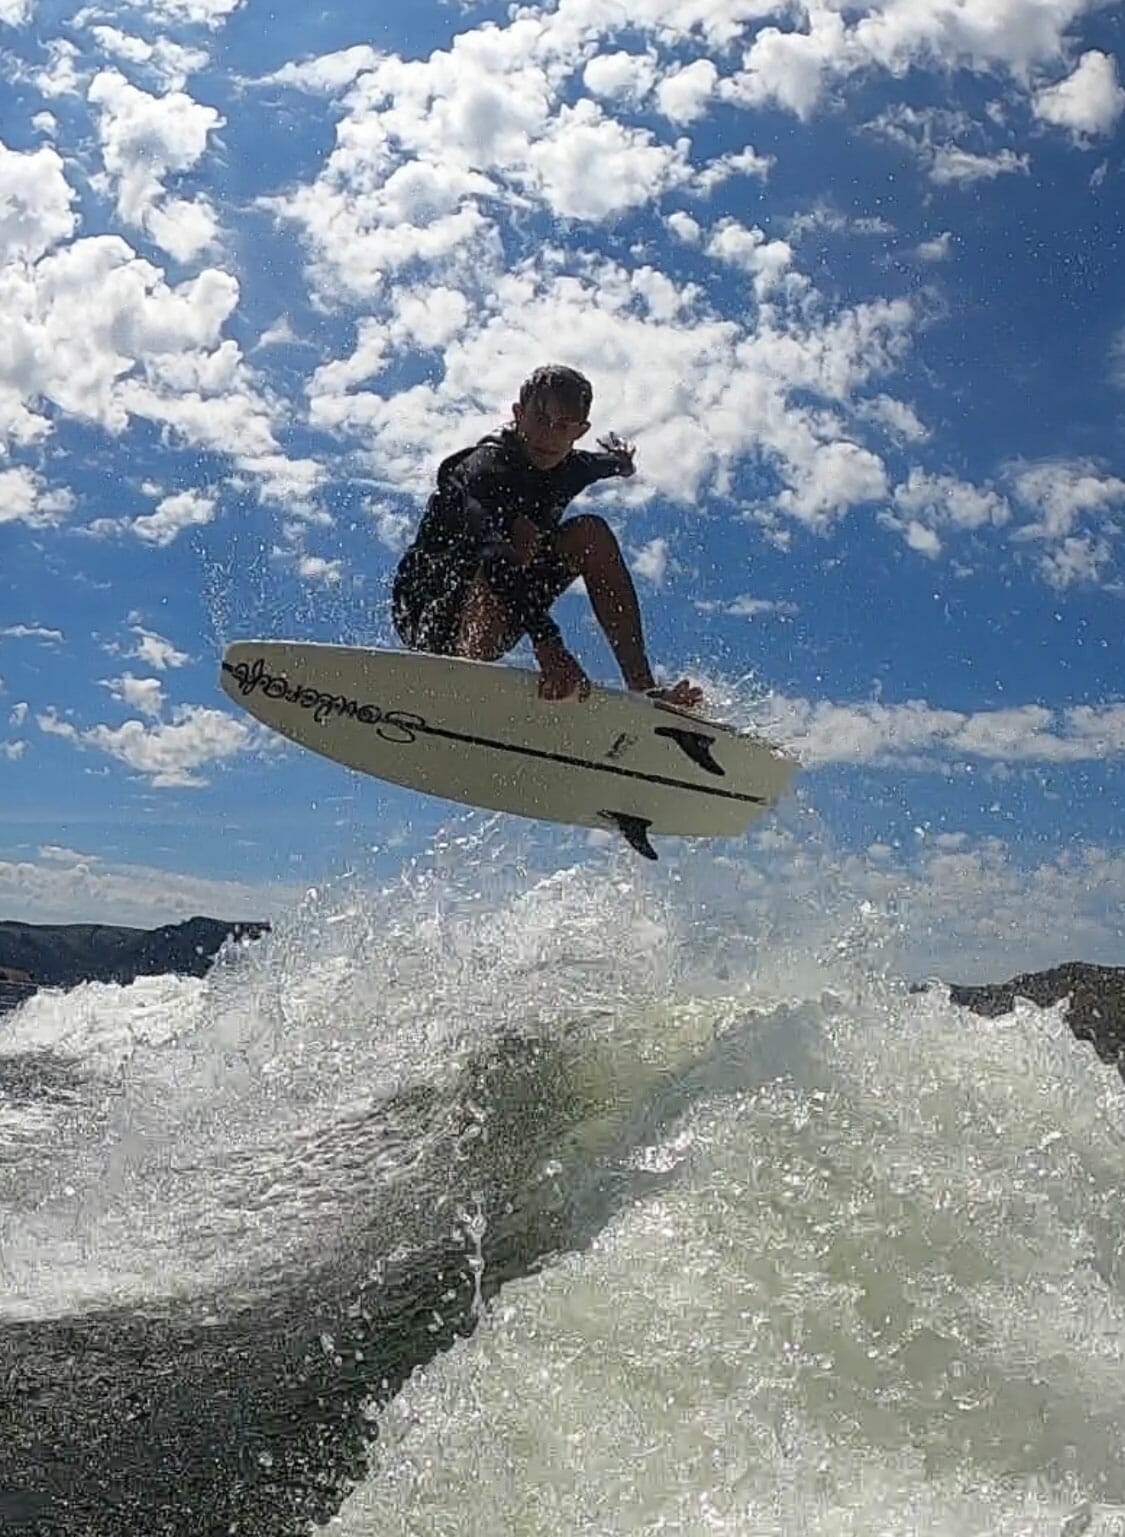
(493, 552)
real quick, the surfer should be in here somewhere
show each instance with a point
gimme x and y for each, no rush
(493, 552)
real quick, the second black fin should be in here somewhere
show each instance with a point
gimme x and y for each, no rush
(696, 744)
(634, 830)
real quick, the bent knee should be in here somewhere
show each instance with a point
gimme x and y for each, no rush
(587, 535)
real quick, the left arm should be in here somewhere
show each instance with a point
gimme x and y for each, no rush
(616, 460)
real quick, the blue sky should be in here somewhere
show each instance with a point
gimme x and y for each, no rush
(850, 277)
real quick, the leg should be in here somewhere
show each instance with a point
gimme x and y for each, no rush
(484, 631)
(589, 546)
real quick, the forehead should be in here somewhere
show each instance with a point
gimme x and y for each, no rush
(558, 402)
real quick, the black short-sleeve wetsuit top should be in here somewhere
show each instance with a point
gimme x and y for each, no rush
(466, 529)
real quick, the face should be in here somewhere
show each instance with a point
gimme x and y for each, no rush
(549, 428)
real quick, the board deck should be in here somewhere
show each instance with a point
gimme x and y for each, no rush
(477, 733)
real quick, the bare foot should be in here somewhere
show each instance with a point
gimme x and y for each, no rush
(684, 695)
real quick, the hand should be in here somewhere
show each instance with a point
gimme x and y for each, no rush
(562, 672)
(524, 540)
(684, 695)
(622, 450)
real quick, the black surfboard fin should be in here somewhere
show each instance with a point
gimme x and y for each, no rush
(633, 829)
(697, 745)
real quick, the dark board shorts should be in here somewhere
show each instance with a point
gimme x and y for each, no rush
(430, 590)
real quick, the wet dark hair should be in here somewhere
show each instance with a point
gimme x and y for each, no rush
(566, 384)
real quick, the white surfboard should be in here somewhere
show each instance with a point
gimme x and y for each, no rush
(477, 732)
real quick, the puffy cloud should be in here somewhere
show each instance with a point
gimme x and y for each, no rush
(36, 211)
(1088, 102)
(144, 139)
(684, 93)
(1060, 492)
(143, 694)
(626, 78)
(155, 651)
(174, 514)
(824, 733)
(31, 632)
(168, 62)
(26, 498)
(651, 561)
(168, 754)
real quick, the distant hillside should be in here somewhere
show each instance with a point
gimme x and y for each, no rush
(1096, 1011)
(62, 955)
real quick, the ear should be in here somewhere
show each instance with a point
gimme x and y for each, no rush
(583, 433)
(517, 412)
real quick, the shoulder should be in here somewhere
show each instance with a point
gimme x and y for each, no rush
(490, 456)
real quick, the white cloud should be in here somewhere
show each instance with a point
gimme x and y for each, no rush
(16, 13)
(1077, 558)
(155, 651)
(36, 211)
(945, 500)
(1060, 492)
(169, 755)
(651, 561)
(168, 62)
(143, 694)
(929, 134)
(791, 68)
(633, 167)
(926, 503)
(427, 319)
(685, 228)
(327, 75)
(60, 76)
(1088, 102)
(13, 750)
(684, 92)
(749, 249)
(822, 217)
(951, 165)
(280, 334)
(939, 249)
(25, 498)
(98, 334)
(195, 13)
(174, 514)
(920, 538)
(829, 479)
(746, 607)
(286, 482)
(18, 713)
(824, 733)
(424, 144)
(625, 78)
(392, 528)
(743, 162)
(144, 139)
(896, 416)
(30, 632)
(314, 568)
